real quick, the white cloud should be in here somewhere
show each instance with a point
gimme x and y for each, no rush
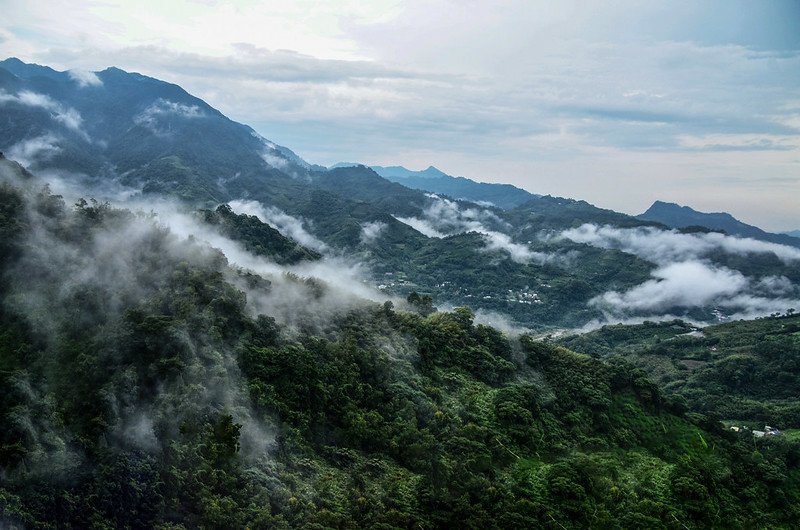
(38, 149)
(423, 227)
(67, 116)
(152, 116)
(335, 284)
(685, 279)
(667, 246)
(684, 284)
(443, 217)
(286, 224)
(371, 231)
(274, 161)
(85, 78)
(520, 253)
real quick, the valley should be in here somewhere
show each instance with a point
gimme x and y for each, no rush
(200, 329)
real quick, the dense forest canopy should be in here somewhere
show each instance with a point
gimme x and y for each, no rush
(143, 388)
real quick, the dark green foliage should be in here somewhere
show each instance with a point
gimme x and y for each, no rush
(747, 371)
(151, 398)
(257, 237)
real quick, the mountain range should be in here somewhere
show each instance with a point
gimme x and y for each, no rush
(199, 329)
(433, 180)
(540, 261)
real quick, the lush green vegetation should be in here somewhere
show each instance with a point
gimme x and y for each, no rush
(149, 396)
(746, 370)
(256, 236)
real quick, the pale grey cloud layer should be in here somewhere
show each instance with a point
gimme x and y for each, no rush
(66, 116)
(443, 217)
(685, 276)
(691, 102)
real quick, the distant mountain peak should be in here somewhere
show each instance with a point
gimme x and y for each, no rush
(433, 171)
(434, 180)
(663, 206)
(679, 217)
(26, 70)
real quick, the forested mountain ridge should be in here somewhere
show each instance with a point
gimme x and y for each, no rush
(147, 387)
(433, 180)
(548, 262)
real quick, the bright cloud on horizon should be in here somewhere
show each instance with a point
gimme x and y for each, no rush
(689, 102)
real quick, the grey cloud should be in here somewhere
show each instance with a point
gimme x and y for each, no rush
(254, 63)
(472, 112)
(777, 285)
(38, 149)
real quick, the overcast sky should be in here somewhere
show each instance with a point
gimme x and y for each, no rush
(618, 103)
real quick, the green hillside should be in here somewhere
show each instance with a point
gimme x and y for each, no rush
(142, 392)
(746, 370)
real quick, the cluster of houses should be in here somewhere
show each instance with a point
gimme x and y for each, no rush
(768, 431)
(719, 315)
(395, 279)
(523, 297)
(392, 281)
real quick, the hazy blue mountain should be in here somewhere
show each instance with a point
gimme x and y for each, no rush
(793, 233)
(141, 130)
(676, 216)
(436, 181)
(391, 172)
(547, 212)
